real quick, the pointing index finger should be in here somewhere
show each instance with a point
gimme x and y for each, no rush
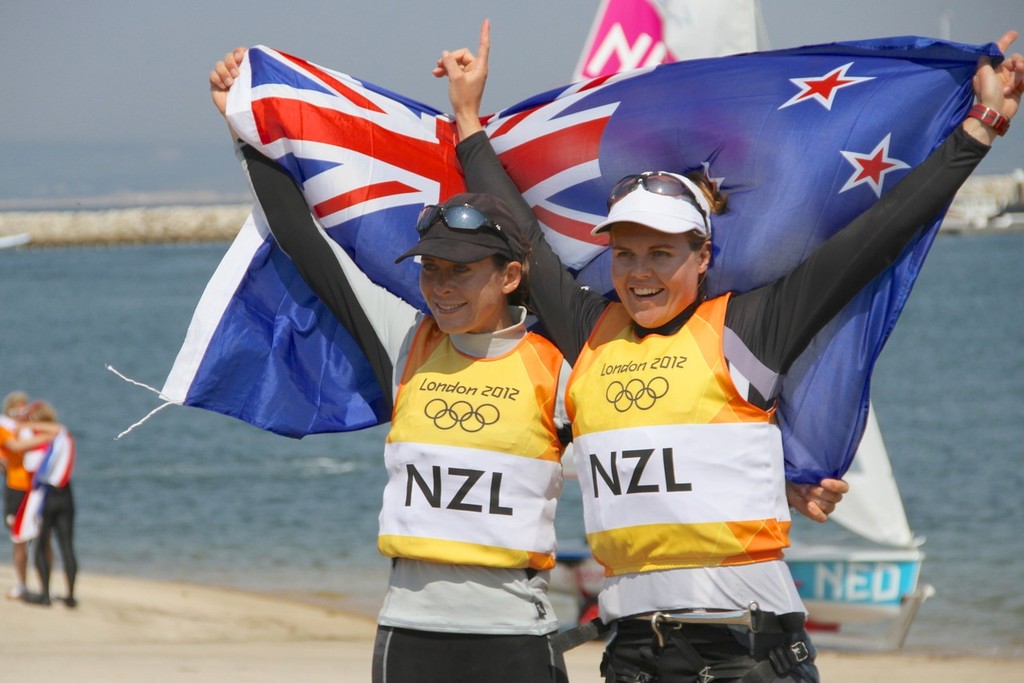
(485, 41)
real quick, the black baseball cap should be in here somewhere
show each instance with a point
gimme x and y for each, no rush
(447, 231)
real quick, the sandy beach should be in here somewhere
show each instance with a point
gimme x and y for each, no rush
(128, 629)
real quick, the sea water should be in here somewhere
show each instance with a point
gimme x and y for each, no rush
(201, 497)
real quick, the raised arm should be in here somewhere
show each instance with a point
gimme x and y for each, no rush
(567, 310)
(324, 266)
(45, 431)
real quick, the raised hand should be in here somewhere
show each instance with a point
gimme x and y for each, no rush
(223, 75)
(467, 75)
(998, 88)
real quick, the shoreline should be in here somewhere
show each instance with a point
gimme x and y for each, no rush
(168, 224)
(129, 628)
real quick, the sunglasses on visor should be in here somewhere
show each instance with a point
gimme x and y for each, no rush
(658, 182)
(459, 217)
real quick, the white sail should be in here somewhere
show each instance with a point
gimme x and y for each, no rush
(873, 508)
(694, 29)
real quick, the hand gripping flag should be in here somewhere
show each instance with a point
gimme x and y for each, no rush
(54, 472)
(803, 140)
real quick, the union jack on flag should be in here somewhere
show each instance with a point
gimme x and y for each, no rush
(803, 140)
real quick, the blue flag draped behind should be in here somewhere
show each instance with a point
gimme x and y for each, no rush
(803, 140)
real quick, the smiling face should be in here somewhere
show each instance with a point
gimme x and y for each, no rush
(655, 274)
(468, 297)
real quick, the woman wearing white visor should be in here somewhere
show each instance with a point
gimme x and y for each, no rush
(686, 386)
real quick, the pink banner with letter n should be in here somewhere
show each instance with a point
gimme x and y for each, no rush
(626, 34)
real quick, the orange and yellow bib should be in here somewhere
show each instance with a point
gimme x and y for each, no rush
(677, 469)
(473, 456)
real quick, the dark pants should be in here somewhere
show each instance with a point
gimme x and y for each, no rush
(724, 652)
(58, 519)
(12, 501)
(408, 656)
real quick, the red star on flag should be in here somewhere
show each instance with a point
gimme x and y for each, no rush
(823, 89)
(871, 168)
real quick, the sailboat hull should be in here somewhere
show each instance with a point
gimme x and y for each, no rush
(843, 586)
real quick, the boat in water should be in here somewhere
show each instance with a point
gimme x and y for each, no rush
(9, 241)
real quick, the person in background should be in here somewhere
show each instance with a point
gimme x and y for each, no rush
(14, 404)
(676, 565)
(58, 518)
(16, 438)
(13, 409)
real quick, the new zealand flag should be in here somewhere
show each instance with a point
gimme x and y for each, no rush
(802, 140)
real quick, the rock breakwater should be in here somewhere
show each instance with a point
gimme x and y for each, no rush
(158, 224)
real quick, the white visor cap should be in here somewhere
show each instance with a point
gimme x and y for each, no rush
(664, 213)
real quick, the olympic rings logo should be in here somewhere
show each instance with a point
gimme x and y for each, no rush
(636, 393)
(462, 414)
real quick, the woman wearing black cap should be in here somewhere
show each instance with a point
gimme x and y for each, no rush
(474, 451)
(696, 585)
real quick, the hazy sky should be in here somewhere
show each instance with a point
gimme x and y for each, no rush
(111, 95)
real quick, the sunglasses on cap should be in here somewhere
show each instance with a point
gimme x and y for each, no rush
(657, 182)
(459, 217)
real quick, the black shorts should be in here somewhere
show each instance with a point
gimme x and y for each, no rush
(407, 656)
(12, 501)
(691, 652)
